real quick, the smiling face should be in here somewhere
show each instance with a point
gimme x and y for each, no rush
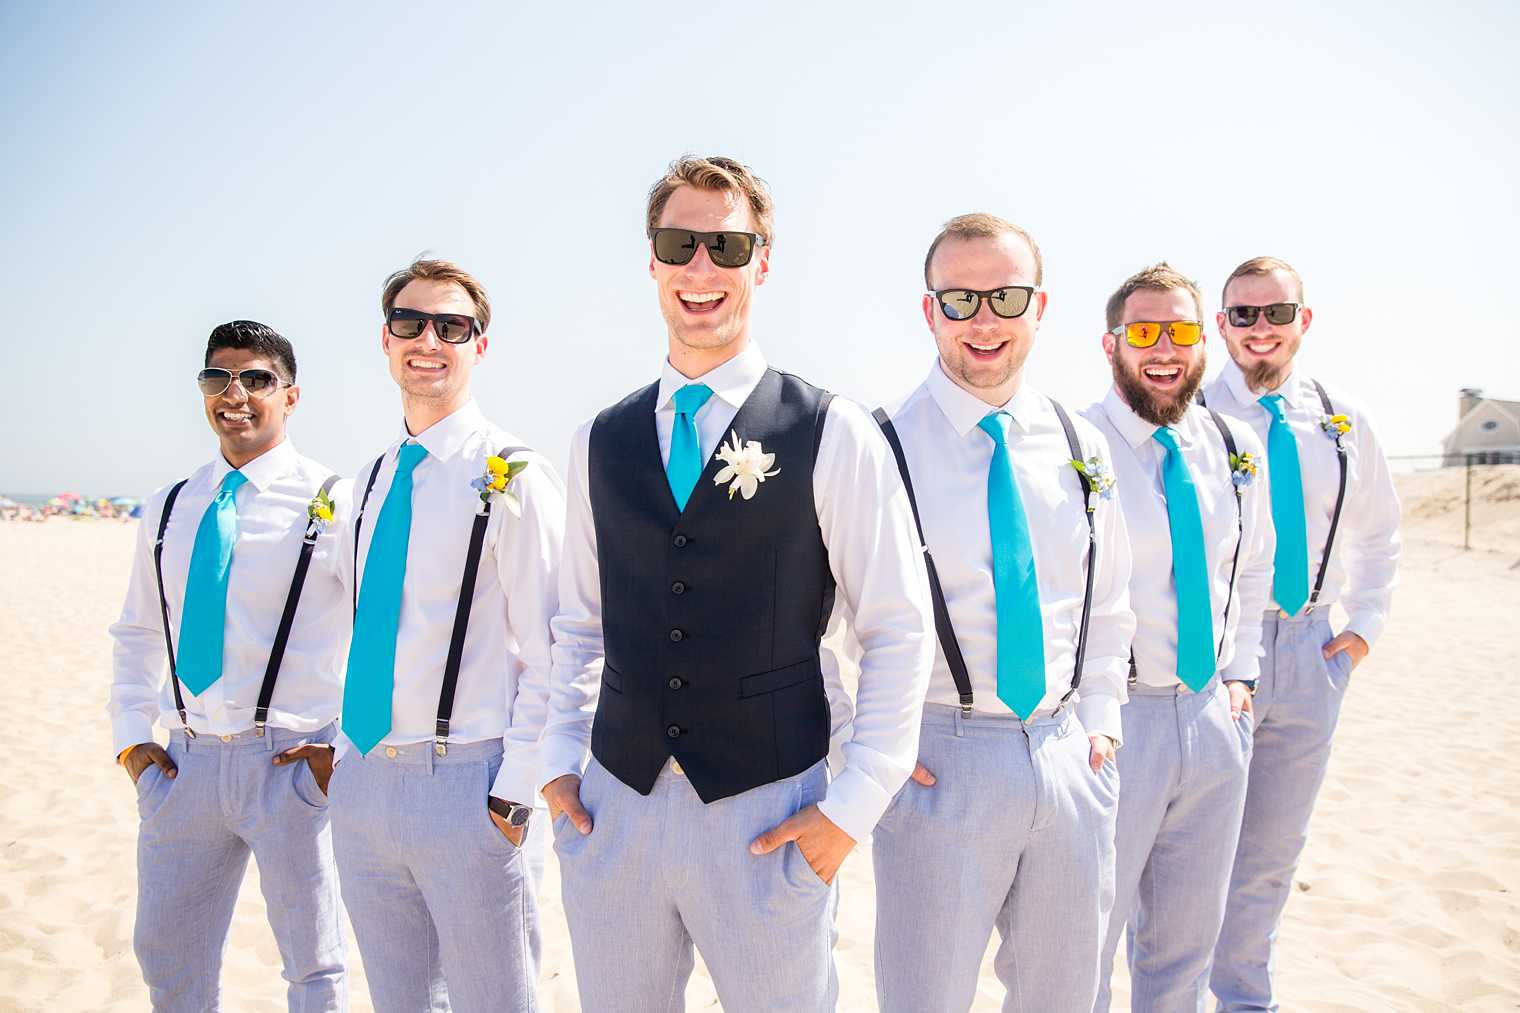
(706, 307)
(247, 426)
(1264, 351)
(985, 354)
(434, 376)
(1157, 382)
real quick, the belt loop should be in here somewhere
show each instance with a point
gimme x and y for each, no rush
(266, 738)
(429, 756)
(960, 723)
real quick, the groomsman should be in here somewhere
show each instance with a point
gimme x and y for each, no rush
(716, 516)
(1196, 519)
(444, 696)
(232, 637)
(1009, 818)
(1335, 518)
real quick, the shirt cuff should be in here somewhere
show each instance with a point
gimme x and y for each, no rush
(1099, 714)
(1366, 624)
(855, 803)
(341, 746)
(514, 781)
(1241, 669)
(130, 730)
(561, 754)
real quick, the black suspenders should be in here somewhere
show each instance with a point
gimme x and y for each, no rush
(947, 641)
(461, 612)
(1340, 498)
(287, 618)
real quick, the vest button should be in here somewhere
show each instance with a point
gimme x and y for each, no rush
(676, 636)
(679, 541)
(673, 732)
(679, 587)
(674, 682)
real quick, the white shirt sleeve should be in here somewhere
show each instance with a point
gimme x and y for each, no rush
(1370, 525)
(527, 563)
(877, 562)
(575, 675)
(139, 661)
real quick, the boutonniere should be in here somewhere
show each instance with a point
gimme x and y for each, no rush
(1243, 468)
(319, 512)
(1335, 427)
(747, 466)
(1099, 474)
(497, 481)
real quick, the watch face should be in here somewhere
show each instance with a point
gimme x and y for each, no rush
(519, 816)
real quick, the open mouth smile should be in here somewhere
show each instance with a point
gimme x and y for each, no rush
(701, 303)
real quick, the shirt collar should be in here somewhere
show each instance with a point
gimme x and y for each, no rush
(1235, 380)
(1137, 431)
(446, 437)
(963, 410)
(734, 381)
(262, 471)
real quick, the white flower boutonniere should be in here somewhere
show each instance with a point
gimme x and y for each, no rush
(1099, 474)
(497, 482)
(747, 466)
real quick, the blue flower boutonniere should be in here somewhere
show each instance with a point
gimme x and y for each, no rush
(1099, 474)
(1243, 468)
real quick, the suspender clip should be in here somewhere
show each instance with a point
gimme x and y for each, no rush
(258, 729)
(440, 737)
(966, 705)
(310, 538)
(189, 732)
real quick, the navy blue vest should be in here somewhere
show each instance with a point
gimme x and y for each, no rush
(711, 617)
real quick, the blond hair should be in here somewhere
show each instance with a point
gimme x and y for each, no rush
(1258, 267)
(437, 270)
(716, 173)
(980, 225)
(1160, 277)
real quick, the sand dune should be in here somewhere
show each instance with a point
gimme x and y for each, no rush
(1406, 899)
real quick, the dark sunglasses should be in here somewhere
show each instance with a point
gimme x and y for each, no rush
(454, 328)
(1278, 313)
(963, 303)
(214, 381)
(726, 249)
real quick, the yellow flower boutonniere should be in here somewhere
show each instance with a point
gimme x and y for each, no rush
(497, 481)
(320, 511)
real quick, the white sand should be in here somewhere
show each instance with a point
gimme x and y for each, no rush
(1409, 893)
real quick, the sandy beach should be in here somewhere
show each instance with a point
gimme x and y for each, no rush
(1408, 897)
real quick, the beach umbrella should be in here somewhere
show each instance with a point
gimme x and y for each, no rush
(70, 497)
(123, 501)
(6, 503)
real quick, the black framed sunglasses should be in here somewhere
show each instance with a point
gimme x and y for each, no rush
(1278, 313)
(454, 328)
(214, 381)
(1009, 302)
(726, 249)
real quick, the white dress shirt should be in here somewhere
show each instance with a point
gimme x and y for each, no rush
(271, 510)
(505, 665)
(1138, 461)
(867, 527)
(1364, 563)
(948, 457)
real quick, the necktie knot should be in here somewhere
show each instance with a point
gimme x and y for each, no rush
(408, 457)
(1273, 404)
(992, 425)
(1166, 437)
(231, 483)
(691, 398)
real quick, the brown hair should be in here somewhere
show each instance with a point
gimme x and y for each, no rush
(982, 226)
(1259, 267)
(437, 270)
(1160, 277)
(714, 173)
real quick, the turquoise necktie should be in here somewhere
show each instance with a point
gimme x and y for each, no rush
(1190, 567)
(1020, 633)
(201, 628)
(372, 655)
(685, 464)
(1290, 561)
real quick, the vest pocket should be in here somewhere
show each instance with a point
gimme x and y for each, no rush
(780, 678)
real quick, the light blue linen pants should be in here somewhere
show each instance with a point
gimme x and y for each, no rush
(1184, 765)
(660, 872)
(1018, 833)
(1298, 701)
(441, 902)
(198, 828)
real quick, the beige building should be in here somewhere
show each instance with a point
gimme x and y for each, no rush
(1487, 429)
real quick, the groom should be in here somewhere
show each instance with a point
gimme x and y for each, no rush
(716, 518)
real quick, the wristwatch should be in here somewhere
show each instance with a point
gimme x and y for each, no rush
(515, 815)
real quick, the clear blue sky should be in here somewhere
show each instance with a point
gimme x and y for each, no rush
(171, 166)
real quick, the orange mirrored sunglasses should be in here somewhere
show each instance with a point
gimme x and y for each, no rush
(1145, 333)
